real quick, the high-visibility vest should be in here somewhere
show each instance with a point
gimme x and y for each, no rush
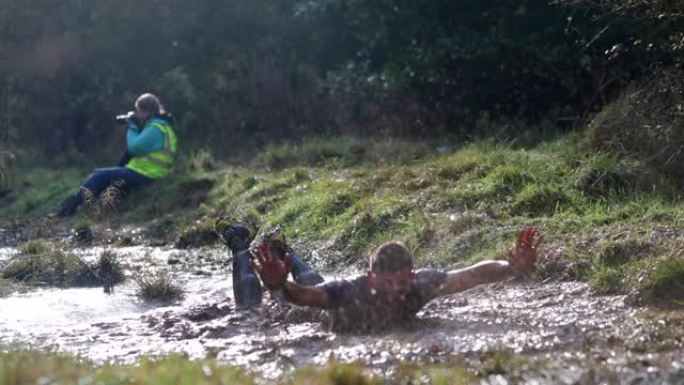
(157, 164)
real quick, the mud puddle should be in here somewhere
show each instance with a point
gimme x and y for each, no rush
(545, 333)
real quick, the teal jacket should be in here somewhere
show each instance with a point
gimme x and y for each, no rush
(140, 142)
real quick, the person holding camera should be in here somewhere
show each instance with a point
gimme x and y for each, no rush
(151, 146)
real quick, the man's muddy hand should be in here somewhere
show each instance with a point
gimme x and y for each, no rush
(523, 255)
(271, 268)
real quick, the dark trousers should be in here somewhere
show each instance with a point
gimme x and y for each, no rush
(97, 182)
(102, 178)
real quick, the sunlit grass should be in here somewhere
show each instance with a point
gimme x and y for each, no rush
(344, 196)
(38, 191)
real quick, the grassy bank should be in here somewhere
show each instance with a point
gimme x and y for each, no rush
(609, 220)
(28, 367)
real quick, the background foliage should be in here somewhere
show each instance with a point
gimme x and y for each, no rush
(238, 74)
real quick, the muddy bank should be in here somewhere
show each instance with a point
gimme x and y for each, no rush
(551, 332)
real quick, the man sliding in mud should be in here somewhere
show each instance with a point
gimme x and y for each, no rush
(392, 291)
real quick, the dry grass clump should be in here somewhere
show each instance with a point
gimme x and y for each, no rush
(43, 264)
(158, 286)
(107, 203)
(201, 233)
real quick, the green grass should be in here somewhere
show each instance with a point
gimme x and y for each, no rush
(607, 219)
(38, 191)
(31, 367)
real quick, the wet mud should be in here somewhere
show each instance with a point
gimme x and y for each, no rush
(553, 332)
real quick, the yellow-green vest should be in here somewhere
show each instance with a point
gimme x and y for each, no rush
(157, 164)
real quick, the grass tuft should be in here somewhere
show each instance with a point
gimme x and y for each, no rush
(538, 200)
(665, 281)
(201, 233)
(605, 280)
(40, 263)
(620, 253)
(109, 270)
(158, 286)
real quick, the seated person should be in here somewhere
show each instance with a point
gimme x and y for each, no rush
(151, 147)
(392, 291)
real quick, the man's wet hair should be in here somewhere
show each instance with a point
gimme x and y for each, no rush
(391, 256)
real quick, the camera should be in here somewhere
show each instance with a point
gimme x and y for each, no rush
(125, 118)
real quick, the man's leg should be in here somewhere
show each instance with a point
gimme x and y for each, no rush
(246, 284)
(302, 273)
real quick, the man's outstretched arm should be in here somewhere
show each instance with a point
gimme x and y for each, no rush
(521, 261)
(478, 274)
(301, 295)
(274, 271)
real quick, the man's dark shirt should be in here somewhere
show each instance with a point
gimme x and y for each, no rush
(354, 305)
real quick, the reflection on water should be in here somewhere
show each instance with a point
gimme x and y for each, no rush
(46, 310)
(6, 253)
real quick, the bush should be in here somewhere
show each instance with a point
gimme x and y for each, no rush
(603, 174)
(646, 122)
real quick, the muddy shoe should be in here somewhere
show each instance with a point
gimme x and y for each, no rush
(302, 273)
(276, 237)
(228, 228)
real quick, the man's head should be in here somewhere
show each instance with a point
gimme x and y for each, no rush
(391, 257)
(391, 268)
(147, 106)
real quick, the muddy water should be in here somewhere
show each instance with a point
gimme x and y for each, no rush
(556, 332)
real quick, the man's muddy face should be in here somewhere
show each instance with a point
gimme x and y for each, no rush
(391, 285)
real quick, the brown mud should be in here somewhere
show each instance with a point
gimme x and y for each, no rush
(552, 332)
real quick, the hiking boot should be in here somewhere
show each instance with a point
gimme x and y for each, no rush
(229, 230)
(302, 273)
(67, 208)
(276, 237)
